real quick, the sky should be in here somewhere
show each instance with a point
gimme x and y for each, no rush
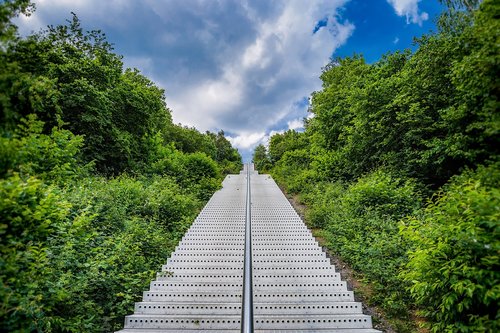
(247, 67)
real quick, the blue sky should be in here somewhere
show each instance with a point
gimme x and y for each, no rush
(247, 67)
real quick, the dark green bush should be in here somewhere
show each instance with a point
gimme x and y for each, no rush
(292, 170)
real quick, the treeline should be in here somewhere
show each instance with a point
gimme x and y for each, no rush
(399, 169)
(97, 185)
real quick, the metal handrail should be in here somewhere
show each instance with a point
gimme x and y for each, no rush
(247, 305)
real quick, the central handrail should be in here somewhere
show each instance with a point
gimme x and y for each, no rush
(247, 305)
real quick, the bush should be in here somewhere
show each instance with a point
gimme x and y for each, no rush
(454, 266)
(76, 260)
(52, 157)
(320, 203)
(292, 170)
(199, 174)
(30, 213)
(362, 227)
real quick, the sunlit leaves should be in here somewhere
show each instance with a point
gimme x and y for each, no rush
(454, 266)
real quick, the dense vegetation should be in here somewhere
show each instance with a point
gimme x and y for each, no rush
(399, 168)
(96, 183)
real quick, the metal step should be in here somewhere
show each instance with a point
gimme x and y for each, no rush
(200, 330)
(295, 287)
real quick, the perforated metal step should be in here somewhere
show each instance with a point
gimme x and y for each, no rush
(295, 288)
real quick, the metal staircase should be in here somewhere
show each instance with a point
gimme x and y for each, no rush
(295, 288)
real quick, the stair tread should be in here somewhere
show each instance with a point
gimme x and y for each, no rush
(296, 288)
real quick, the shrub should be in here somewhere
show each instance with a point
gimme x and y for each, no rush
(362, 227)
(30, 212)
(52, 157)
(454, 266)
(320, 201)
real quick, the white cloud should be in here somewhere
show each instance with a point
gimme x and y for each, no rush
(295, 124)
(96, 14)
(247, 140)
(281, 64)
(254, 55)
(409, 8)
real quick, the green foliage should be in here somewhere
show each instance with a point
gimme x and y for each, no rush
(290, 157)
(77, 246)
(227, 157)
(475, 77)
(292, 170)
(30, 212)
(135, 225)
(362, 224)
(74, 253)
(387, 135)
(66, 74)
(424, 115)
(200, 172)
(281, 143)
(53, 157)
(458, 4)
(260, 159)
(320, 201)
(195, 172)
(71, 79)
(67, 263)
(454, 265)
(189, 140)
(382, 193)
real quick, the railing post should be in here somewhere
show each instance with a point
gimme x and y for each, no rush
(247, 305)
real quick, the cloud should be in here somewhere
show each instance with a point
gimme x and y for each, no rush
(396, 40)
(409, 8)
(295, 124)
(281, 63)
(240, 66)
(247, 140)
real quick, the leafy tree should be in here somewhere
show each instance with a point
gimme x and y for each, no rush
(361, 220)
(30, 213)
(71, 77)
(470, 5)
(29, 152)
(281, 143)
(260, 159)
(77, 247)
(190, 140)
(424, 115)
(228, 157)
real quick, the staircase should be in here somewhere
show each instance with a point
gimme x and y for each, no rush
(295, 288)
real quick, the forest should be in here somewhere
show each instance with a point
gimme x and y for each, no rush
(398, 167)
(97, 185)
